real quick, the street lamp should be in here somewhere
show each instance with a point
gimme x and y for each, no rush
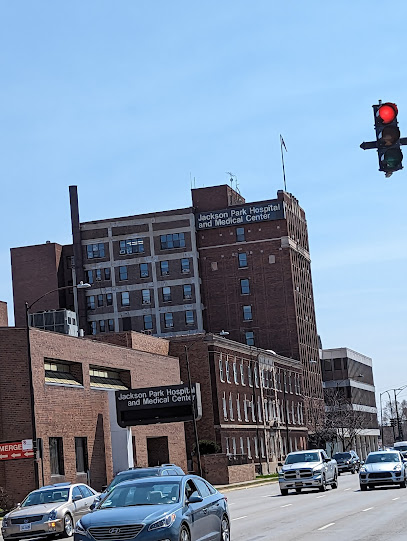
(399, 426)
(81, 285)
(198, 452)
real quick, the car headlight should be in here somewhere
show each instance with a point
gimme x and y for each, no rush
(164, 522)
(397, 467)
(79, 528)
(281, 473)
(5, 521)
(362, 470)
(53, 515)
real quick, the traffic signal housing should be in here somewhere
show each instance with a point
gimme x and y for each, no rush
(388, 138)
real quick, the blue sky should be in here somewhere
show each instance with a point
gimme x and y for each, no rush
(131, 99)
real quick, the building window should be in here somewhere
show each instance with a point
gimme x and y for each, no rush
(259, 414)
(249, 448)
(165, 268)
(126, 324)
(166, 294)
(98, 275)
(256, 376)
(185, 266)
(174, 240)
(95, 250)
(125, 298)
(249, 375)
(107, 273)
(189, 317)
(62, 373)
(168, 320)
(225, 409)
(109, 299)
(234, 446)
(148, 322)
(227, 371)
(262, 447)
(111, 325)
(56, 456)
(249, 338)
(256, 447)
(145, 296)
(245, 286)
(131, 246)
(91, 302)
(89, 276)
(239, 413)
(106, 378)
(81, 454)
(235, 373)
(144, 270)
(187, 289)
(93, 328)
(122, 273)
(290, 387)
(246, 415)
(227, 446)
(102, 326)
(242, 374)
(240, 237)
(221, 375)
(252, 407)
(100, 300)
(242, 261)
(247, 313)
(241, 446)
(232, 415)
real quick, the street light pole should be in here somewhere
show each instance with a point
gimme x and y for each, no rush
(198, 452)
(81, 285)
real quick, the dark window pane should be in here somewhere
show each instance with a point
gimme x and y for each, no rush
(240, 236)
(185, 265)
(247, 313)
(56, 456)
(148, 322)
(244, 286)
(107, 273)
(242, 260)
(122, 273)
(81, 453)
(250, 338)
(165, 268)
(143, 270)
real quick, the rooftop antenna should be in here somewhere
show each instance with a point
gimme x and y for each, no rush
(282, 144)
(232, 178)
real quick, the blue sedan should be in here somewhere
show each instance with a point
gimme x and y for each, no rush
(182, 508)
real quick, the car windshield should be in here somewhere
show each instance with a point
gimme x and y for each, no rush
(341, 456)
(46, 496)
(382, 457)
(302, 457)
(154, 493)
(132, 474)
(401, 448)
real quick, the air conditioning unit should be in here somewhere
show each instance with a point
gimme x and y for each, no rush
(146, 302)
(147, 331)
(186, 271)
(122, 252)
(98, 278)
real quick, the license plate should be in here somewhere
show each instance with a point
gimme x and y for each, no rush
(25, 527)
(298, 484)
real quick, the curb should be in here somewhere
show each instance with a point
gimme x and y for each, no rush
(240, 486)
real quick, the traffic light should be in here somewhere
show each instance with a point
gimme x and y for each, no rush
(388, 137)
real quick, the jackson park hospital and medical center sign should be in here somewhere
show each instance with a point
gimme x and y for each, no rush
(243, 215)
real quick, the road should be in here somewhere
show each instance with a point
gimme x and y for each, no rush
(262, 514)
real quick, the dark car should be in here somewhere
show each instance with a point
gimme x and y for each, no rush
(140, 473)
(174, 508)
(347, 461)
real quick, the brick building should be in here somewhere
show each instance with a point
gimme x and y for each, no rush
(72, 380)
(248, 394)
(3, 314)
(350, 375)
(221, 264)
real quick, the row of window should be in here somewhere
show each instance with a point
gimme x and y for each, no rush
(270, 410)
(231, 448)
(136, 245)
(269, 378)
(96, 275)
(148, 322)
(56, 458)
(59, 372)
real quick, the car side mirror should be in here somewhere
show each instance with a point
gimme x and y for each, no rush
(280, 464)
(92, 506)
(327, 460)
(76, 498)
(195, 498)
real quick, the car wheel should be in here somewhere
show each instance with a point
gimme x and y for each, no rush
(334, 484)
(184, 534)
(353, 471)
(224, 529)
(68, 526)
(284, 491)
(298, 490)
(403, 484)
(339, 473)
(322, 488)
(363, 488)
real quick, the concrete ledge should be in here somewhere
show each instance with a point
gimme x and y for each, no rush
(247, 484)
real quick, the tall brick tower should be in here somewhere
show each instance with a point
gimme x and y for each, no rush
(255, 269)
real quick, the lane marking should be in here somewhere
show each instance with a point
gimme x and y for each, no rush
(347, 489)
(238, 518)
(326, 526)
(268, 496)
(395, 499)
(368, 509)
(229, 504)
(321, 496)
(287, 505)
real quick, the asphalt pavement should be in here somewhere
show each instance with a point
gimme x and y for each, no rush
(346, 513)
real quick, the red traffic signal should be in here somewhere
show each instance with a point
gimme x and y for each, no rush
(387, 113)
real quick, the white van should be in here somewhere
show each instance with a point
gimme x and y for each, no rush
(400, 446)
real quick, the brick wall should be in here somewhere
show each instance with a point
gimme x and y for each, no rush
(135, 340)
(69, 412)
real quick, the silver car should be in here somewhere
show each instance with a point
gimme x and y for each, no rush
(49, 510)
(383, 468)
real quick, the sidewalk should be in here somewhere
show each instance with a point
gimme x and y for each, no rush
(245, 484)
